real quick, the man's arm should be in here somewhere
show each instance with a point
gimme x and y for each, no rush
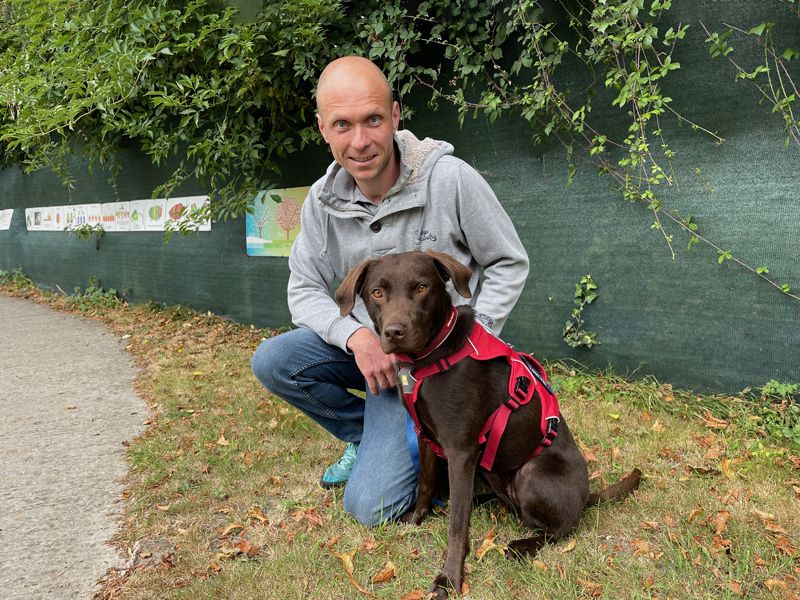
(311, 305)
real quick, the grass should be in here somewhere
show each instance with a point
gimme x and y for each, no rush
(222, 500)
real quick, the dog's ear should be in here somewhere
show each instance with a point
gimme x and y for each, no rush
(451, 269)
(352, 284)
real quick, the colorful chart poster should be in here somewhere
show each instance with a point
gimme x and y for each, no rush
(275, 221)
(69, 217)
(37, 219)
(122, 216)
(5, 218)
(155, 214)
(94, 214)
(108, 216)
(58, 218)
(178, 209)
(137, 208)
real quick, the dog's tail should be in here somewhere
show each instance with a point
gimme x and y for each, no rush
(619, 490)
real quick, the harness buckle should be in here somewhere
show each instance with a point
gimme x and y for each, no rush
(511, 403)
(521, 386)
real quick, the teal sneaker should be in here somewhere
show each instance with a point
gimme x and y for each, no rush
(337, 474)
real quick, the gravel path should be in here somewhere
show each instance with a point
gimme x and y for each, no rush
(66, 405)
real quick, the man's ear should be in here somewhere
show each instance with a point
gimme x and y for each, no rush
(450, 268)
(321, 126)
(352, 284)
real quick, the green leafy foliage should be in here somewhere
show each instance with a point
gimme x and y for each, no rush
(94, 298)
(183, 82)
(575, 335)
(223, 101)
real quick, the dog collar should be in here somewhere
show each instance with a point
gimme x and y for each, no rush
(438, 340)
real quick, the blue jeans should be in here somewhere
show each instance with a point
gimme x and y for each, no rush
(299, 367)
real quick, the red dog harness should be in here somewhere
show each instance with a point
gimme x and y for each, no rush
(527, 377)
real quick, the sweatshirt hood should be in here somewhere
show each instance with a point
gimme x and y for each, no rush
(339, 193)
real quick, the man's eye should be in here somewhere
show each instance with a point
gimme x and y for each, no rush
(375, 119)
(340, 124)
(377, 293)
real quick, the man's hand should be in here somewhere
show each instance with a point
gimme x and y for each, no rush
(376, 367)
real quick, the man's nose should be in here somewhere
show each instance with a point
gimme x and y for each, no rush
(360, 137)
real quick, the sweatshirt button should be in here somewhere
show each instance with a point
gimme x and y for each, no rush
(376, 226)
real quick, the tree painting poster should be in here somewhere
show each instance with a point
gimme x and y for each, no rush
(274, 221)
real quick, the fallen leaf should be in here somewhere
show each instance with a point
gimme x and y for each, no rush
(764, 516)
(727, 468)
(735, 587)
(256, 513)
(222, 441)
(369, 545)
(540, 565)
(657, 427)
(415, 595)
(347, 562)
(488, 544)
(163, 507)
(785, 546)
(593, 589)
(614, 416)
(247, 548)
(795, 460)
(713, 422)
(71, 407)
(569, 546)
(616, 453)
(642, 548)
(720, 521)
(694, 514)
(649, 524)
(213, 566)
(464, 588)
(773, 584)
(773, 527)
(230, 528)
(385, 574)
(309, 515)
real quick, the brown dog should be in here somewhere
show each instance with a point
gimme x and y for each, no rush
(406, 297)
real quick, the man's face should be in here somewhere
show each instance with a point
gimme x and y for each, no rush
(358, 123)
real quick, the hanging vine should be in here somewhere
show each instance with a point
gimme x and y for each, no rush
(224, 101)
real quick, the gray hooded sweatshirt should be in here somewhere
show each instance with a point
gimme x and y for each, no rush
(439, 202)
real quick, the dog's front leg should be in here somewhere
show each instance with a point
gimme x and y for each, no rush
(461, 472)
(427, 485)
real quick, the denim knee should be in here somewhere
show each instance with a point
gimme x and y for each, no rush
(370, 511)
(269, 364)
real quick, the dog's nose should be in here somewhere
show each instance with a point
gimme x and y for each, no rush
(394, 332)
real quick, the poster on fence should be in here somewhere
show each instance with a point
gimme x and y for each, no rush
(5, 218)
(275, 221)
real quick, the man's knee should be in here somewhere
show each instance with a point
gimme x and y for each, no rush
(269, 363)
(371, 511)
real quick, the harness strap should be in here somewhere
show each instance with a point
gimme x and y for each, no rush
(527, 378)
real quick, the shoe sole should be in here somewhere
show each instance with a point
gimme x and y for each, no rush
(328, 485)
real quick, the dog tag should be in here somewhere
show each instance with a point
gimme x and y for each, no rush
(407, 381)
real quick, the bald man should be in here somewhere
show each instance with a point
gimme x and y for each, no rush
(386, 191)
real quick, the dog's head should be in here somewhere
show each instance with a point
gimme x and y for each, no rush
(405, 296)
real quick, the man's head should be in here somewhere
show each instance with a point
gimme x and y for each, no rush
(358, 118)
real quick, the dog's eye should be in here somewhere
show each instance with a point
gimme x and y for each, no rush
(377, 293)
(422, 287)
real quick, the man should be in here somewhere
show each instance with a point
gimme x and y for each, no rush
(386, 192)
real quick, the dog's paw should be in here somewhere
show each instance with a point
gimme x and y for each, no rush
(438, 590)
(413, 517)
